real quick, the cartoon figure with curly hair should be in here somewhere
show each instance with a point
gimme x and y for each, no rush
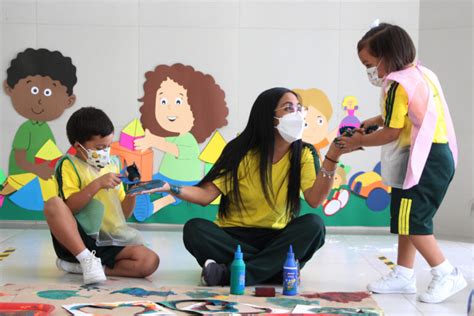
(181, 108)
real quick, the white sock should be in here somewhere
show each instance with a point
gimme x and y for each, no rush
(404, 271)
(443, 268)
(83, 255)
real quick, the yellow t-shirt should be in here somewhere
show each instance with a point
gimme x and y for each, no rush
(395, 114)
(257, 212)
(104, 211)
(72, 184)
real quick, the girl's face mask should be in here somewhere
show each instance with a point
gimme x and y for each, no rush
(372, 73)
(97, 158)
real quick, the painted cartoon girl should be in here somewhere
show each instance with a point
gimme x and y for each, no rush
(181, 108)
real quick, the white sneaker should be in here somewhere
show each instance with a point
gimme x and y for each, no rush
(93, 272)
(394, 282)
(69, 267)
(442, 287)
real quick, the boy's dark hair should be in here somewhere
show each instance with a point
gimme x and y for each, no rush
(390, 42)
(86, 123)
(42, 62)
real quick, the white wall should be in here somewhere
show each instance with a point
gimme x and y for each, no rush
(446, 39)
(248, 46)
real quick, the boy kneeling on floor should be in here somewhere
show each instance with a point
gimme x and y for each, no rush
(88, 224)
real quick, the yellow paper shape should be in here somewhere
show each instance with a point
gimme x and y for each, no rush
(49, 151)
(49, 188)
(17, 181)
(213, 149)
(134, 128)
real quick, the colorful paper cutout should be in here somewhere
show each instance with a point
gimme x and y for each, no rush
(2, 198)
(148, 308)
(49, 188)
(134, 128)
(143, 160)
(130, 133)
(213, 149)
(48, 152)
(29, 196)
(3, 177)
(17, 181)
(349, 104)
(181, 108)
(370, 186)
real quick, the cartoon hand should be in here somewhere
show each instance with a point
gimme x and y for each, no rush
(44, 171)
(145, 142)
(148, 141)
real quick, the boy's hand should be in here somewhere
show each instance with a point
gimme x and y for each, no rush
(44, 171)
(108, 181)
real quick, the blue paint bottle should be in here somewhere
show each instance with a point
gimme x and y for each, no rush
(237, 273)
(290, 274)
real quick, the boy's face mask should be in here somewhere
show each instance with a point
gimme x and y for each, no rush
(291, 126)
(97, 158)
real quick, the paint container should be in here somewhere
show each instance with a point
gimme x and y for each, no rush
(237, 273)
(290, 274)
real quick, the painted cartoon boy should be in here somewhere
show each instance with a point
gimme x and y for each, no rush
(317, 118)
(40, 84)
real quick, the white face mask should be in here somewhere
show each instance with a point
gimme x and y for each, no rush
(98, 158)
(373, 75)
(291, 126)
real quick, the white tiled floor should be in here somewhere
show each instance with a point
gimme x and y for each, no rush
(345, 263)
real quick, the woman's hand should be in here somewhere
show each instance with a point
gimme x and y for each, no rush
(350, 143)
(164, 188)
(335, 151)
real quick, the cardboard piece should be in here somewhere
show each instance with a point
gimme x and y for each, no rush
(141, 307)
(347, 311)
(215, 307)
(143, 160)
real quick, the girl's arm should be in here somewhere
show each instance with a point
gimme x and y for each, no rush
(376, 120)
(316, 194)
(384, 136)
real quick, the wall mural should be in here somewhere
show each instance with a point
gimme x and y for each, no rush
(182, 110)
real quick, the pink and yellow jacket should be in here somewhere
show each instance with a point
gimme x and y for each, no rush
(423, 115)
